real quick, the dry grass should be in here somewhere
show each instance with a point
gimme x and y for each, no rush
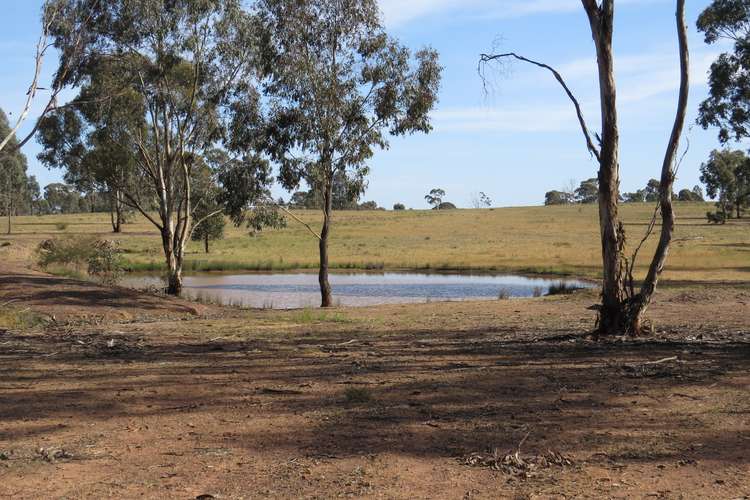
(551, 240)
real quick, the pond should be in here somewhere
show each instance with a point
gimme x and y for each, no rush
(298, 290)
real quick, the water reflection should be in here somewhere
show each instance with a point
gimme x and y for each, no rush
(286, 291)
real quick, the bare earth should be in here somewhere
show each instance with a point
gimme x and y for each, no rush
(122, 395)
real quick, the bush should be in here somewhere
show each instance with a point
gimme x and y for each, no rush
(357, 395)
(101, 258)
(105, 263)
(446, 205)
(716, 217)
(61, 226)
(399, 206)
(503, 294)
(563, 288)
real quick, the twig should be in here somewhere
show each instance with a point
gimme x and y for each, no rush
(663, 360)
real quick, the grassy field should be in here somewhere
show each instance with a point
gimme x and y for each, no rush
(559, 240)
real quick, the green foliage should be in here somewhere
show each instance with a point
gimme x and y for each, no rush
(101, 258)
(726, 176)
(728, 104)
(337, 87)
(399, 206)
(691, 195)
(17, 191)
(435, 197)
(587, 191)
(556, 198)
(105, 262)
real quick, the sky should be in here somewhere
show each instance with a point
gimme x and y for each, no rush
(513, 136)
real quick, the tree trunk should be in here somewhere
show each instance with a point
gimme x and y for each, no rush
(174, 262)
(739, 209)
(10, 215)
(325, 286)
(115, 211)
(621, 313)
(205, 242)
(611, 318)
(641, 302)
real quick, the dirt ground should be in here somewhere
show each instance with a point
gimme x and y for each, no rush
(115, 394)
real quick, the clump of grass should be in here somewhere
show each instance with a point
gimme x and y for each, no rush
(18, 319)
(5, 244)
(358, 395)
(538, 291)
(563, 288)
(503, 294)
(61, 226)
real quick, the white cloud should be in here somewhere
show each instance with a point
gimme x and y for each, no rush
(531, 118)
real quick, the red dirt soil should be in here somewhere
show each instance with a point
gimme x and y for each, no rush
(126, 395)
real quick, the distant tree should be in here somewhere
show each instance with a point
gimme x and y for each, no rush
(556, 198)
(698, 193)
(338, 86)
(435, 197)
(399, 206)
(651, 193)
(207, 207)
(726, 176)
(368, 205)
(635, 197)
(62, 198)
(588, 191)
(480, 200)
(689, 195)
(446, 205)
(212, 227)
(13, 181)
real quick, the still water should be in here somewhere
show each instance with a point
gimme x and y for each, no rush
(289, 291)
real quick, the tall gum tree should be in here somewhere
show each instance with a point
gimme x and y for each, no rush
(177, 69)
(337, 86)
(622, 308)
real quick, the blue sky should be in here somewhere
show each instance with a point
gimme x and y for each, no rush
(519, 139)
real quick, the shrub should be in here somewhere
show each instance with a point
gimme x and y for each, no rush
(538, 291)
(105, 263)
(562, 288)
(101, 258)
(716, 217)
(503, 294)
(61, 226)
(399, 206)
(357, 395)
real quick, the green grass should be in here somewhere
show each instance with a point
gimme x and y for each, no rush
(561, 241)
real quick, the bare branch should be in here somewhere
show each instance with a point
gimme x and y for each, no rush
(486, 58)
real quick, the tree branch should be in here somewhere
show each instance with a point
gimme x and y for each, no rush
(486, 58)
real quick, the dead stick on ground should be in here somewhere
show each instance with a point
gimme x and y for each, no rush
(664, 360)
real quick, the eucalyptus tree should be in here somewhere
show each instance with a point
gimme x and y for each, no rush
(336, 87)
(161, 86)
(728, 104)
(13, 181)
(435, 197)
(622, 308)
(726, 176)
